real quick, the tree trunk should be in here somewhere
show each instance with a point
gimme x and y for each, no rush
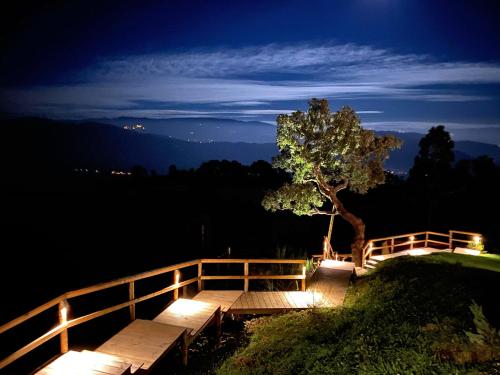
(359, 230)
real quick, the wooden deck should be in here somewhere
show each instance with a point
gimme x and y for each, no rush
(329, 283)
(86, 363)
(190, 314)
(143, 342)
(270, 302)
(140, 345)
(224, 298)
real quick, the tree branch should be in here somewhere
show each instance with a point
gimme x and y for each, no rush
(341, 186)
(320, 212)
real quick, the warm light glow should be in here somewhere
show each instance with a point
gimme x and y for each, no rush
(470, 252)
(417, 252)
(79, 363)
(412, 238)
(64, 315)
(177, 277)
(477, 239)
(336, 264)
(186, 307)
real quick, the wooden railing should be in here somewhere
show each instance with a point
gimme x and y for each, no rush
(393, 244)
(62, 304)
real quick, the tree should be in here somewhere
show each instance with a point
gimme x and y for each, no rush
(325, 153)
(431, 174)
(433, 164)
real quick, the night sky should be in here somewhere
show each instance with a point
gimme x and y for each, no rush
(402, 64)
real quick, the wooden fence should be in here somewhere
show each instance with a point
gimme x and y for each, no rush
(61, 302)
(393, 244)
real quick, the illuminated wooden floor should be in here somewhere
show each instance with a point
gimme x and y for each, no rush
(190, 314)
(142, 342)
(329, 283)
(224, 298)
(140, 345)
(271, 302)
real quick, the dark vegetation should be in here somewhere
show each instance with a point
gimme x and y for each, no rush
(413, 315)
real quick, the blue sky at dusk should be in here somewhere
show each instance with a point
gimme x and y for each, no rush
(403, 65)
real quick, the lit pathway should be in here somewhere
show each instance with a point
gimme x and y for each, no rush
(329, 282)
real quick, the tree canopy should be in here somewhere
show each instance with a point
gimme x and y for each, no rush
(433, 164)
(326, 152)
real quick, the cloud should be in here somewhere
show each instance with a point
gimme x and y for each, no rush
(248, 77)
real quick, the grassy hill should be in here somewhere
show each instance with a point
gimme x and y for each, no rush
(412, 315)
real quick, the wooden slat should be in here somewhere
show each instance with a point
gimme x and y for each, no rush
(466, 233)
(191, 314)
(439, 242)
(143, 340)
(78, 363)
(86, 318)
(224, 298)
(125, 280)
(32, 313)
(122, 361)
(252, 277)
(459, 240)
(255, 261)
(32, 345)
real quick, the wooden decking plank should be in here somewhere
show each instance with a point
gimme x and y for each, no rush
(275, 300)
(112, 360)
(268, 298)
(282, 303)
(224, 298)
(290, 300)
(79, 364)
(143, 340)
(194, 315)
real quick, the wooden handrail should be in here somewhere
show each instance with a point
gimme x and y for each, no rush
(63, 326)
(255, 261)
(369, 248)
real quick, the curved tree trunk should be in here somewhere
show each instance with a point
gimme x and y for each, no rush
(359, 230)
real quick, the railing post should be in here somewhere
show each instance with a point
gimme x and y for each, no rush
(245, 270)
(303, 283)
(392, 245)
(426, 239)
(200, 273)
(177, 276)
(131, 297)
(450, 241)
(63, 320)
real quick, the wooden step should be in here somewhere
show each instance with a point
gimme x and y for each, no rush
(123, 363)
(191, 314)
(77, 363)
(143, 342)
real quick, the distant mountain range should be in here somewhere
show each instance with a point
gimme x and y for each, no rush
(34, 145)
(202, 129)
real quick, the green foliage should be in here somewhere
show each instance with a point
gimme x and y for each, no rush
(300, 199)
(486, 334)
(407, 317)
(475, 245)
(319, 144)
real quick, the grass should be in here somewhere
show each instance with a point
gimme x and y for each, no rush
(489, 262)
(410, 316)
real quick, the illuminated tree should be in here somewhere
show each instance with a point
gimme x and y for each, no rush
(325, 153)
